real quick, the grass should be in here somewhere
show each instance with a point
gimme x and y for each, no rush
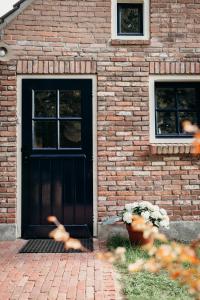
(145, 285)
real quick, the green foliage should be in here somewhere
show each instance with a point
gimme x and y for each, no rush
(145, 285)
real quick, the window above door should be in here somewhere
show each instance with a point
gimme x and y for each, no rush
(130, 19)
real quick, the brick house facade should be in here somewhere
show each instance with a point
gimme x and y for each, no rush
(58, 38)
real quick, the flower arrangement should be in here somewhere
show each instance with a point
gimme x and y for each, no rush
(151, 213)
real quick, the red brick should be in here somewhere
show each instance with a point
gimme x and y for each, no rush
(48, 41)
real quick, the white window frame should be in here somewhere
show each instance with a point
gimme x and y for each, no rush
(152, 125)
(146, 14)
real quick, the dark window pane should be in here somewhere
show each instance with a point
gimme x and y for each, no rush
(70, 134)
(183, 116)
(45, 103)
(186, 98)
(165, 98)
(166, 123)
(70, 103)
(176, 102)
(130, 19)
(44, 134)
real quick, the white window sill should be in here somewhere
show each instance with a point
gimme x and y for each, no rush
(175, 141)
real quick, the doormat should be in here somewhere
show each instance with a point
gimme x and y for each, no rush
(51, 246)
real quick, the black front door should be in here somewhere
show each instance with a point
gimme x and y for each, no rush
(56, 156)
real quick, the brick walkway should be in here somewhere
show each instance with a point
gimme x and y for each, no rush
(53, 276)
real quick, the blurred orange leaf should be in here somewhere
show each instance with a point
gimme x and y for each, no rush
(189, 127)
(196, 144)
(61, 235)
(74, 244)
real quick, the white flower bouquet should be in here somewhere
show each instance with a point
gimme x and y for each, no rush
(151, 213)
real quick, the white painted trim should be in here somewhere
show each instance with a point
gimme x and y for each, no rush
(165, 78)
(19, 140)
(146, 20)
(19, 159)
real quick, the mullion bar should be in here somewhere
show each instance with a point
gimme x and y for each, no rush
(156, 105)
(141, 17)
(177, 117)
(70, 118)
(32, 122)
(197, 96)
(173, 136)
(174, 110)
(55, 119)
(44, 119)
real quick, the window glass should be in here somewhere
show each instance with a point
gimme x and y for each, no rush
(190, 116)
(56, 119)
(175, 103)
(70, 103)
(44, 134)
(186, 98)
(130, 19)
(166, 98)
(70, 134)
(166, 122)
(45, 103)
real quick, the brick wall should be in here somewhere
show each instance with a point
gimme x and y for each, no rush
(7, 143)
(64, 37)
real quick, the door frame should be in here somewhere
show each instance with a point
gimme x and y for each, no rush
(19, 142)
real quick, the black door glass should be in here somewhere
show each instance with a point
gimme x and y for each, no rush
(70, 134)
(70, 103)
(166, 98)
(45, 103)
(44, 134)
(130, 19)
(186, 98)
(166, 122)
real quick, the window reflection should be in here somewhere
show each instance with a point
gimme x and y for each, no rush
(44, 134)
(70, 134)
(45, 103)
(166, 122)
(70, 103)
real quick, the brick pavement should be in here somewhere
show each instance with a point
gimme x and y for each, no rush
(53, 276)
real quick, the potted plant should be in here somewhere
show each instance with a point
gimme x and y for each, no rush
(151, 214)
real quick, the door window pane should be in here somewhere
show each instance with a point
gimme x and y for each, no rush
(70, 134)
(186, 98)
(44, 134)
(45, 103)
(166, 98)
(166, 123)
(70, 103)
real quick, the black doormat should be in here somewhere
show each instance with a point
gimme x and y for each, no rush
(50, 246)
